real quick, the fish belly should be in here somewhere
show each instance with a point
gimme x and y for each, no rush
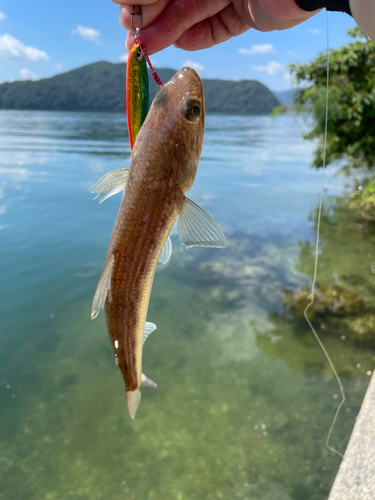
(141, 229)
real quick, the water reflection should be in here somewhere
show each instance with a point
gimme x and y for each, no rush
(24, 133)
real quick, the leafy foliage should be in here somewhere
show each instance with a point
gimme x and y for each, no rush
(363, 199)
(101, 87)
(351, 111)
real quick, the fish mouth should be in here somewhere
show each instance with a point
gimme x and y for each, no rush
(188, 83)
(188, 74)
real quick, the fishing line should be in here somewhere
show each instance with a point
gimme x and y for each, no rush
(316, 269)
(138, 41)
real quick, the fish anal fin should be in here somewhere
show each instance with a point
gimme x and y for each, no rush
(149, 328)
(102, 288)
(166, 251)
(147, 382)
(197, 228)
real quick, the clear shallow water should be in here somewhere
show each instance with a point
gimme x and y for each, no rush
(245, 397)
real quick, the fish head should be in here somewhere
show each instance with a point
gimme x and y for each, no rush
(174, 127)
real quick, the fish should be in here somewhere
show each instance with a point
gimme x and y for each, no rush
(137, 95)
(164, 164)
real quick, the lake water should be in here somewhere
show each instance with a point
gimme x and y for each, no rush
(245, 396)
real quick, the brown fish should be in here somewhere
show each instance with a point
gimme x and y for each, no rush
(163, 167)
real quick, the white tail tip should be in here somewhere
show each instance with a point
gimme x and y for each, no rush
(132, 399)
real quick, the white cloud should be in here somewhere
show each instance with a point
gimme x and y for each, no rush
(258, 48)
(88, 34)
(195, 65)
(26, 74)
(291, 53)
(11, 48)
(273, 68)
(315, 31)
(2, 16)
(58, 66)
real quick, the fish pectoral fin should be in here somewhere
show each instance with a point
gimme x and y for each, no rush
(147, 382)
(111, 183)
(197, 228)
(132, 400)
(166, 251)
(149, 328)
(102, 288)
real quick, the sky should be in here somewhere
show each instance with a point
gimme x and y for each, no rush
(41, 38)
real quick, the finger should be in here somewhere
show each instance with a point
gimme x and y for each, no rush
(149, 13)
(177, 18)
(139, 2)
(217, 29)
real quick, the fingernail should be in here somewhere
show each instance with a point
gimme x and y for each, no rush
(121, 16)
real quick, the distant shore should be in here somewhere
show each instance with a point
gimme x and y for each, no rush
(101, 87)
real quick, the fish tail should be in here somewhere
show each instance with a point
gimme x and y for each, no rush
(132, 399)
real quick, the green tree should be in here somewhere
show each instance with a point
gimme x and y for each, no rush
(351, 111)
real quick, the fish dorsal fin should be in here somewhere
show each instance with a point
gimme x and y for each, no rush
(102, 288)
(197, 228)
(166, 251)
(111, 183)
(149, 328)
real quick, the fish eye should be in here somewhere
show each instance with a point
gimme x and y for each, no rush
(193, 110)
(139, 55)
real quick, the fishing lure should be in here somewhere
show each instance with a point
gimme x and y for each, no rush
(137, 94)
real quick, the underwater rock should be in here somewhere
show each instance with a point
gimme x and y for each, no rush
(222, 295)
(328, 301)
(278, 420)
(291, 339)
(337, 310)
(361, 328)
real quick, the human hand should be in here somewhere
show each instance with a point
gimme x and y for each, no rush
(199, 24)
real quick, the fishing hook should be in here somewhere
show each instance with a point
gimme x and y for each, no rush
(139, 13)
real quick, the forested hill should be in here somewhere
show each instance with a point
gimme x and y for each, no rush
(101, 87)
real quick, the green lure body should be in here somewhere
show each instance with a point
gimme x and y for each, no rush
(137, 95)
